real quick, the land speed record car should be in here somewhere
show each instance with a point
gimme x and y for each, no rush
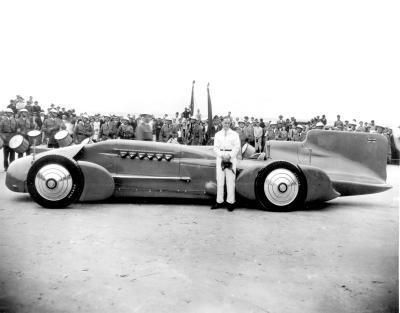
(289, 175)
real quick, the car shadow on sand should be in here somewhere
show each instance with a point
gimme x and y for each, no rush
(242, 204)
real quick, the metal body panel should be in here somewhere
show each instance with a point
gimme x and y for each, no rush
(18, 170)
(248, 171)
(332, 162)
(99, 184)
(359, 155)
(319, 185)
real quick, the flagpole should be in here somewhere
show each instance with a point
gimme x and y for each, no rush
(209, 111)
(192, 99)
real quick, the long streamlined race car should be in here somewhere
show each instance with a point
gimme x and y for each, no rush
(328, 164)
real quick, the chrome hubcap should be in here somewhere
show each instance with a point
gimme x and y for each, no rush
(281, 187)
(53, 182)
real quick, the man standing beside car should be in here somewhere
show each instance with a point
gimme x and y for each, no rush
(226, 147)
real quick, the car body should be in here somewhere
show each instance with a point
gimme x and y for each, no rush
(328, 164)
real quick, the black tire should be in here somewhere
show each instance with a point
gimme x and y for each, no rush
(284, 196)
(72, 180)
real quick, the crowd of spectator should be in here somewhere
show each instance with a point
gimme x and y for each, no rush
(21, 117)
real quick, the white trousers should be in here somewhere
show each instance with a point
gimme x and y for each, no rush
(226, 176)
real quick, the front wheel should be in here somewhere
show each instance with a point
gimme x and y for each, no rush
(280, 186)
(55, 181)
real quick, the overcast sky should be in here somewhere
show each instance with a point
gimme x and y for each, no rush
(262, 58)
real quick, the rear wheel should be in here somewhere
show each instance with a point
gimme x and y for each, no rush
(280, 186)
(55, 181)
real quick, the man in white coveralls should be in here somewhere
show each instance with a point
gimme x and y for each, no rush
(226, 147)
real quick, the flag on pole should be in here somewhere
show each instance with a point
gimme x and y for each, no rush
(209, 111)
(192, 100)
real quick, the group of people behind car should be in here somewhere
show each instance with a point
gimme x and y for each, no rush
(20, 118)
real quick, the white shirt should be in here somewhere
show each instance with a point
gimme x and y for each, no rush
(226, 140)
(258, 131)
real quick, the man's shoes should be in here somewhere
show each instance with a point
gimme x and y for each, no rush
(231, 207)
(217, 205)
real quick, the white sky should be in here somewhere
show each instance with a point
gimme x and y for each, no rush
(262, 58)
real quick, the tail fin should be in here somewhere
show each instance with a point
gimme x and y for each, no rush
(361, 154)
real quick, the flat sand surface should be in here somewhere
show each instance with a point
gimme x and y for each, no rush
(148, 257)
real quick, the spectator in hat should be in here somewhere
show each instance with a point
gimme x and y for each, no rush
(299, 135)
(262, 124)
(29, 107)
(346, 125)
(50, 127)
(106, 129)
(372, 127)
(157, 127)
(270, 132)
(281, 134)
(292, 131)
(125, 131)
(280, 120)
(366, 126)
(360, 127)
(83, 129)
(197, 132)
(12, 106)
(338, 123)
(379, 129)
(8, 128)
(36, 107)
(115, 123)
(323, 119)
(186, 113)
(166, 130)
(241, 132)
(39, 121)
(24, 126)
(214, 128)
(144, 130)
(249, 131)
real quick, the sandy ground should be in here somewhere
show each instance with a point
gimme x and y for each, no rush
(127, 257)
